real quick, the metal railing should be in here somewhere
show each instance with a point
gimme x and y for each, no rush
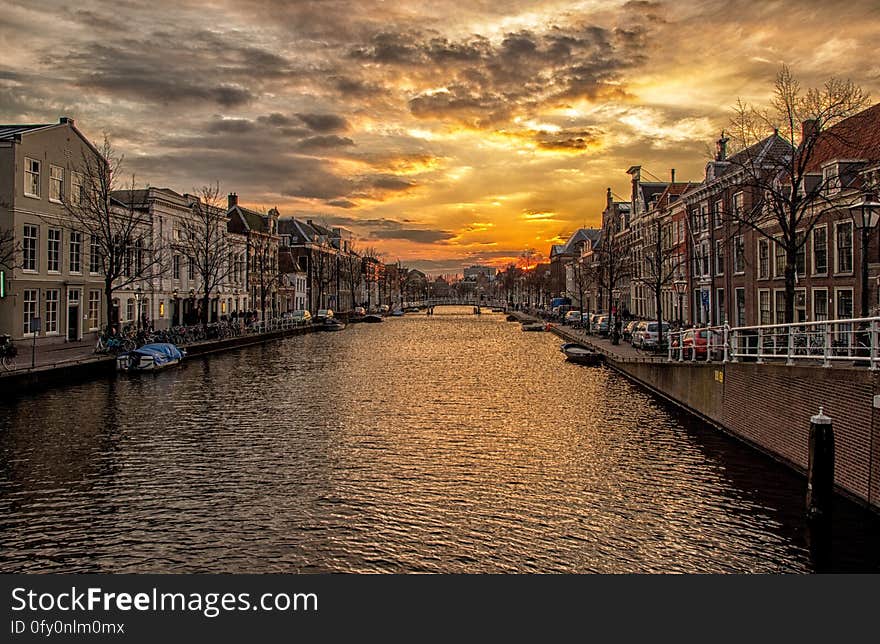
(853, 340)
(704, 344)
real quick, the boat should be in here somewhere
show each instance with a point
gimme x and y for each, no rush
(150, 357)
(512, 318)
(534, 326)
(580, 354)
(497, 310)
(332, 324)
(397, 313)
(412, 309)
(372, 318)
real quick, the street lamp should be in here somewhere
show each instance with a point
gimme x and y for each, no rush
(615, 314)
(680, 287)
(864, 216)
(137, 296)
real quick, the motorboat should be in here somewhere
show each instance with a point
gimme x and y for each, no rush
(332, 324)
(512, 318)
(534, 326)
(397, 313)
(150, 357)
(497, 310)
(372, 318)
(580, 354)
(412, 309)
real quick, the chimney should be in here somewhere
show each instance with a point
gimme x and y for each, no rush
(809, 129)
(721, 148)
(609, 199)
(673, 175)
(67, 119)
(231, 200)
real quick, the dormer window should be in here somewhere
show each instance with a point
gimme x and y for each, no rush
(831, 177)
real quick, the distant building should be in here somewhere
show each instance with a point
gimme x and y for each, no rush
(472, 272)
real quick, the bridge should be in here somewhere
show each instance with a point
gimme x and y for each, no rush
(486, 304)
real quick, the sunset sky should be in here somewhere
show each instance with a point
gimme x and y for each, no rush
(441, 132)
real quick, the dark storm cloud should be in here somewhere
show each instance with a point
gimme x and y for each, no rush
(567, 139)
(391, 183)
(231, 126)
(173, 67)
(341, 203)
(324, 122)
(324, 142)
(416, 235)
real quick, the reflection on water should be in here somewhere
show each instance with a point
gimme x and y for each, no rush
(452, 443)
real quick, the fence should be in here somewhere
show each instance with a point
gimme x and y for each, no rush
(853, 340)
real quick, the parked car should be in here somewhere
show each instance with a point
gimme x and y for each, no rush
(301, 316)
(628, 329)
(650, 337)
(600, 326)
(572, 317)
(695, 342)
(323, 314)
(359, 310)
(637, 332)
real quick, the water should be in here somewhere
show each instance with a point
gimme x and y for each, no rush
(452, 443)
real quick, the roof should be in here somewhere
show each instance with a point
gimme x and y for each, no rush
(9, 132)
(253, 220)
(580, 236)
(856, 137)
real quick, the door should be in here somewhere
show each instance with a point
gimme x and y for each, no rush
(73, 316)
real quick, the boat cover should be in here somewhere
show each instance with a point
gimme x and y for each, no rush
(161, 352)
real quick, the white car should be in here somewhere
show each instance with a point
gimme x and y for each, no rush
(572, 317)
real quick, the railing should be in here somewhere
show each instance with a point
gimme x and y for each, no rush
(855, 340)
(699, 344)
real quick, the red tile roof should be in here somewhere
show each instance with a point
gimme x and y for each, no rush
(857, 137)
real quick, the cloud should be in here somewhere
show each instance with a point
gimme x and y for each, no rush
(324, 122)
(325, 141)
(415, 235)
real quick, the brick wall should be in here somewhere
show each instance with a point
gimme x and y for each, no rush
(770, 407)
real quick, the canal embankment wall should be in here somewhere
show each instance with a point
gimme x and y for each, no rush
(769, 407)
(97, 366)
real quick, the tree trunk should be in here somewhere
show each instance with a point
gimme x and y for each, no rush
(790, 274)
(658, 301)
(206, 301)
(108, 293)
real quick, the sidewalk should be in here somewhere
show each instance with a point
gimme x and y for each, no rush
(53, 354)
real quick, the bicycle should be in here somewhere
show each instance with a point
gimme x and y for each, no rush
(8, 352)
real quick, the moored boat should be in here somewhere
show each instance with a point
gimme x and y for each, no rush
(580, 354)
(512, 318)
(150, 357)
(372, 318)
(332, 324)
(534, 326)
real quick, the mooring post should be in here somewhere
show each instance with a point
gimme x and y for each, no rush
(820, 472)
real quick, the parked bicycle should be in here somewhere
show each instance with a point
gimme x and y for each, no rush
(7, 352)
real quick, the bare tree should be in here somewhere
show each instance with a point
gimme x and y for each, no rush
(8, 249)
(612, 262)
(118, 223)
(582, 277)
(352, 273)
(204, 240)
(268, 277)
(661, 265)
(788, 196)
(371, 260)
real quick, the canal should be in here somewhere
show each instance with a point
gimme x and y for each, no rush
(452, 443)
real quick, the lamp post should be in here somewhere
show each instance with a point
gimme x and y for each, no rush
(864, 216)
(615, 315)
(138, 292)
(680, 287)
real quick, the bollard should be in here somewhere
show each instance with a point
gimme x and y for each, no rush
(820, 472)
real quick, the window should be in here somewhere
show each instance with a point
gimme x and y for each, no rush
(94, 255)
(844, 297)
(704, 218)
(719, 257)
(820, 304)
(704, 253)
(717, 214)
(29, 308)
(77, 188)
(175, 272)
(740, 307)
(738, 203)
(129, 309)
(56, 183)
(800, 305)
(53, 250)
(75, 252)
(138, 256)
(191, 268)
(800, 261)
(720, 312)
(763, 258)
(779, 265)
(764, 306)
(820, 250)
(739, 254)
(94, 309)
(779, 309)
(844, 247)
(32, 178)
(29, 248)
(51, 325)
